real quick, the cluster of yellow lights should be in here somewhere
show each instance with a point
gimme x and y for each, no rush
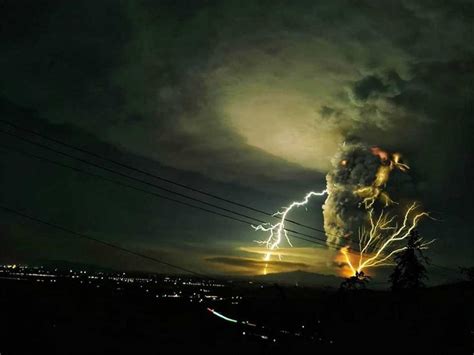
(383, 234)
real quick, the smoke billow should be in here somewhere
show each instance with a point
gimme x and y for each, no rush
(354, 167)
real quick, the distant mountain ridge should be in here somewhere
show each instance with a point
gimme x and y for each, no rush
(301, 278)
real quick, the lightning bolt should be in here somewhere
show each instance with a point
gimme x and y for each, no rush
(277, 231)
(377, 240)
(383, 234)
(375, 191)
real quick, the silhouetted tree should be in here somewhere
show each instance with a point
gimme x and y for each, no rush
(409, 270)
(357, 282)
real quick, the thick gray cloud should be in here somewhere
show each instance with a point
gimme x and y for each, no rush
(256, 87)
(259, 94)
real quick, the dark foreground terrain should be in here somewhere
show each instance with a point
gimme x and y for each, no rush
(71, 318)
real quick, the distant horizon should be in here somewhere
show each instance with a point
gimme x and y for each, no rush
(281, 277)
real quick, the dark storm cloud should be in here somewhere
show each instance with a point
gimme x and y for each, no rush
(388, 84)
(165, 80)
(368, 86)
(255, 93)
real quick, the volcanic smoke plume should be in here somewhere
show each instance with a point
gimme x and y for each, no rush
(356, 182)
(356, 189)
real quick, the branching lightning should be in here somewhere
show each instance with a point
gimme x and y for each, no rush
(277, 231)
(376, 242)
(352, 205)
(383, 234)
(370, 194)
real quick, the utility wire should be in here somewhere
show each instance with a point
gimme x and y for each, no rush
(154, 185)
(146, 191)
(141, 171)
(159, 187)
(127, 176)
(108, 244)
(174, 200)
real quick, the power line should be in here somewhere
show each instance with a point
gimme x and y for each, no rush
(145, 191)
(292, 233)
(163, 179)
(162, 188)
(108, 244)
(155, 186)
(127, 176)
(144, 172)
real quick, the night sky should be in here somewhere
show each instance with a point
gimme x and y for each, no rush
(248, 100)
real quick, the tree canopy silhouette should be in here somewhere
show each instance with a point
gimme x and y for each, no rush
(357, 282)
(410, 270)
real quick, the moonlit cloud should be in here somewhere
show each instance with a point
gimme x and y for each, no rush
(247, 99)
